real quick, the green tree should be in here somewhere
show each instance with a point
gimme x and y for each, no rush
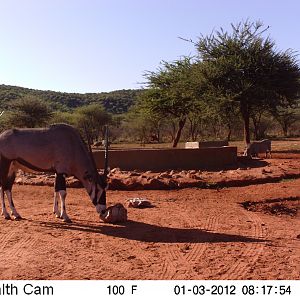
(172, 92)
(286, 117)
(63, 117)
(90, 120)
(244, 66)
(28, 111)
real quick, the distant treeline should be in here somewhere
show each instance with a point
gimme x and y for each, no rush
(238, 85)
(115, 102)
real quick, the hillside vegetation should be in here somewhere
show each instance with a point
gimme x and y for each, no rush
(115, 102)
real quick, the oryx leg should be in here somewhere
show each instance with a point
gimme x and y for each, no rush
(60, 189)
(55, 205)
(4, 211)
(7, 175)
(12, 206)
(63, 213)
(7, 190)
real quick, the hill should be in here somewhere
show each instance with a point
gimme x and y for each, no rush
(115, 102)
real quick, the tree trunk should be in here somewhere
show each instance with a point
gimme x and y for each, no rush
(181, 124)
(255, 126)
(285, 129)
(256, 119)
(246, 117)
(228, 133)
(158, 135)
(192, 132)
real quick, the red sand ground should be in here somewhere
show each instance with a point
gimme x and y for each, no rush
(191, 233)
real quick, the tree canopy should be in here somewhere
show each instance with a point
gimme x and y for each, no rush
(28, 111)
(91, 119)
(244, 66)
(172, 92)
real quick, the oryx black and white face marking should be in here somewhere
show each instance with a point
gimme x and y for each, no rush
(97, 191)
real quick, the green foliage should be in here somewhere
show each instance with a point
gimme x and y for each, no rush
(143, 124)
(28, 111)
(90, 120)
(244, 66)
(286, 117)
(173, 92)
(116, 102)
(172, 88)
(63, 117)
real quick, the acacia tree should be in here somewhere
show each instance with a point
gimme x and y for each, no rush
(286, 117)
(244, 66)
(172, 92)
(28, 111)
(90, 120)
(142, 124)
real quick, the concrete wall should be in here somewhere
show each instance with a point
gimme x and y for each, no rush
(206, 144)
(164, 159)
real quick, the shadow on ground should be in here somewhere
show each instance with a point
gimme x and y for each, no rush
(278, 206)
(248, 162)
(144, 232)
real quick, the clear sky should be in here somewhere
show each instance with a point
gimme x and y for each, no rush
(104, 45)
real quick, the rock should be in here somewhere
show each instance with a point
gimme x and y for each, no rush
(115, 170)
(175, 176)
(165, 175)
(172, 184)
(193, 176)
(117, 184)
(132, 184)
(183, 173)
(115, 214)
(192, 172)
(74, 183)
(154, 184)
(134, 174)
(19, 181)
(30, 176)
(265, 171)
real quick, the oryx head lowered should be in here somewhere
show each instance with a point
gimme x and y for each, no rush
(97, 184)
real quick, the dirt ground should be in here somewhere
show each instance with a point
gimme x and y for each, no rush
(238, 232)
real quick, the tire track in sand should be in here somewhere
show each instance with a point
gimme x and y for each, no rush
(251, 252)
(176, 257)
(22, 247)
(5, 239)
(199, 248)
(14, 244)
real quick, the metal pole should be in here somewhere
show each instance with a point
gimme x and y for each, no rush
(106, 151)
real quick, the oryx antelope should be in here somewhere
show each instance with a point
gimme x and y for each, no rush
(58, 149)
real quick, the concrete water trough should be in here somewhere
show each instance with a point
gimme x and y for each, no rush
(166, 159)
(205, 144)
